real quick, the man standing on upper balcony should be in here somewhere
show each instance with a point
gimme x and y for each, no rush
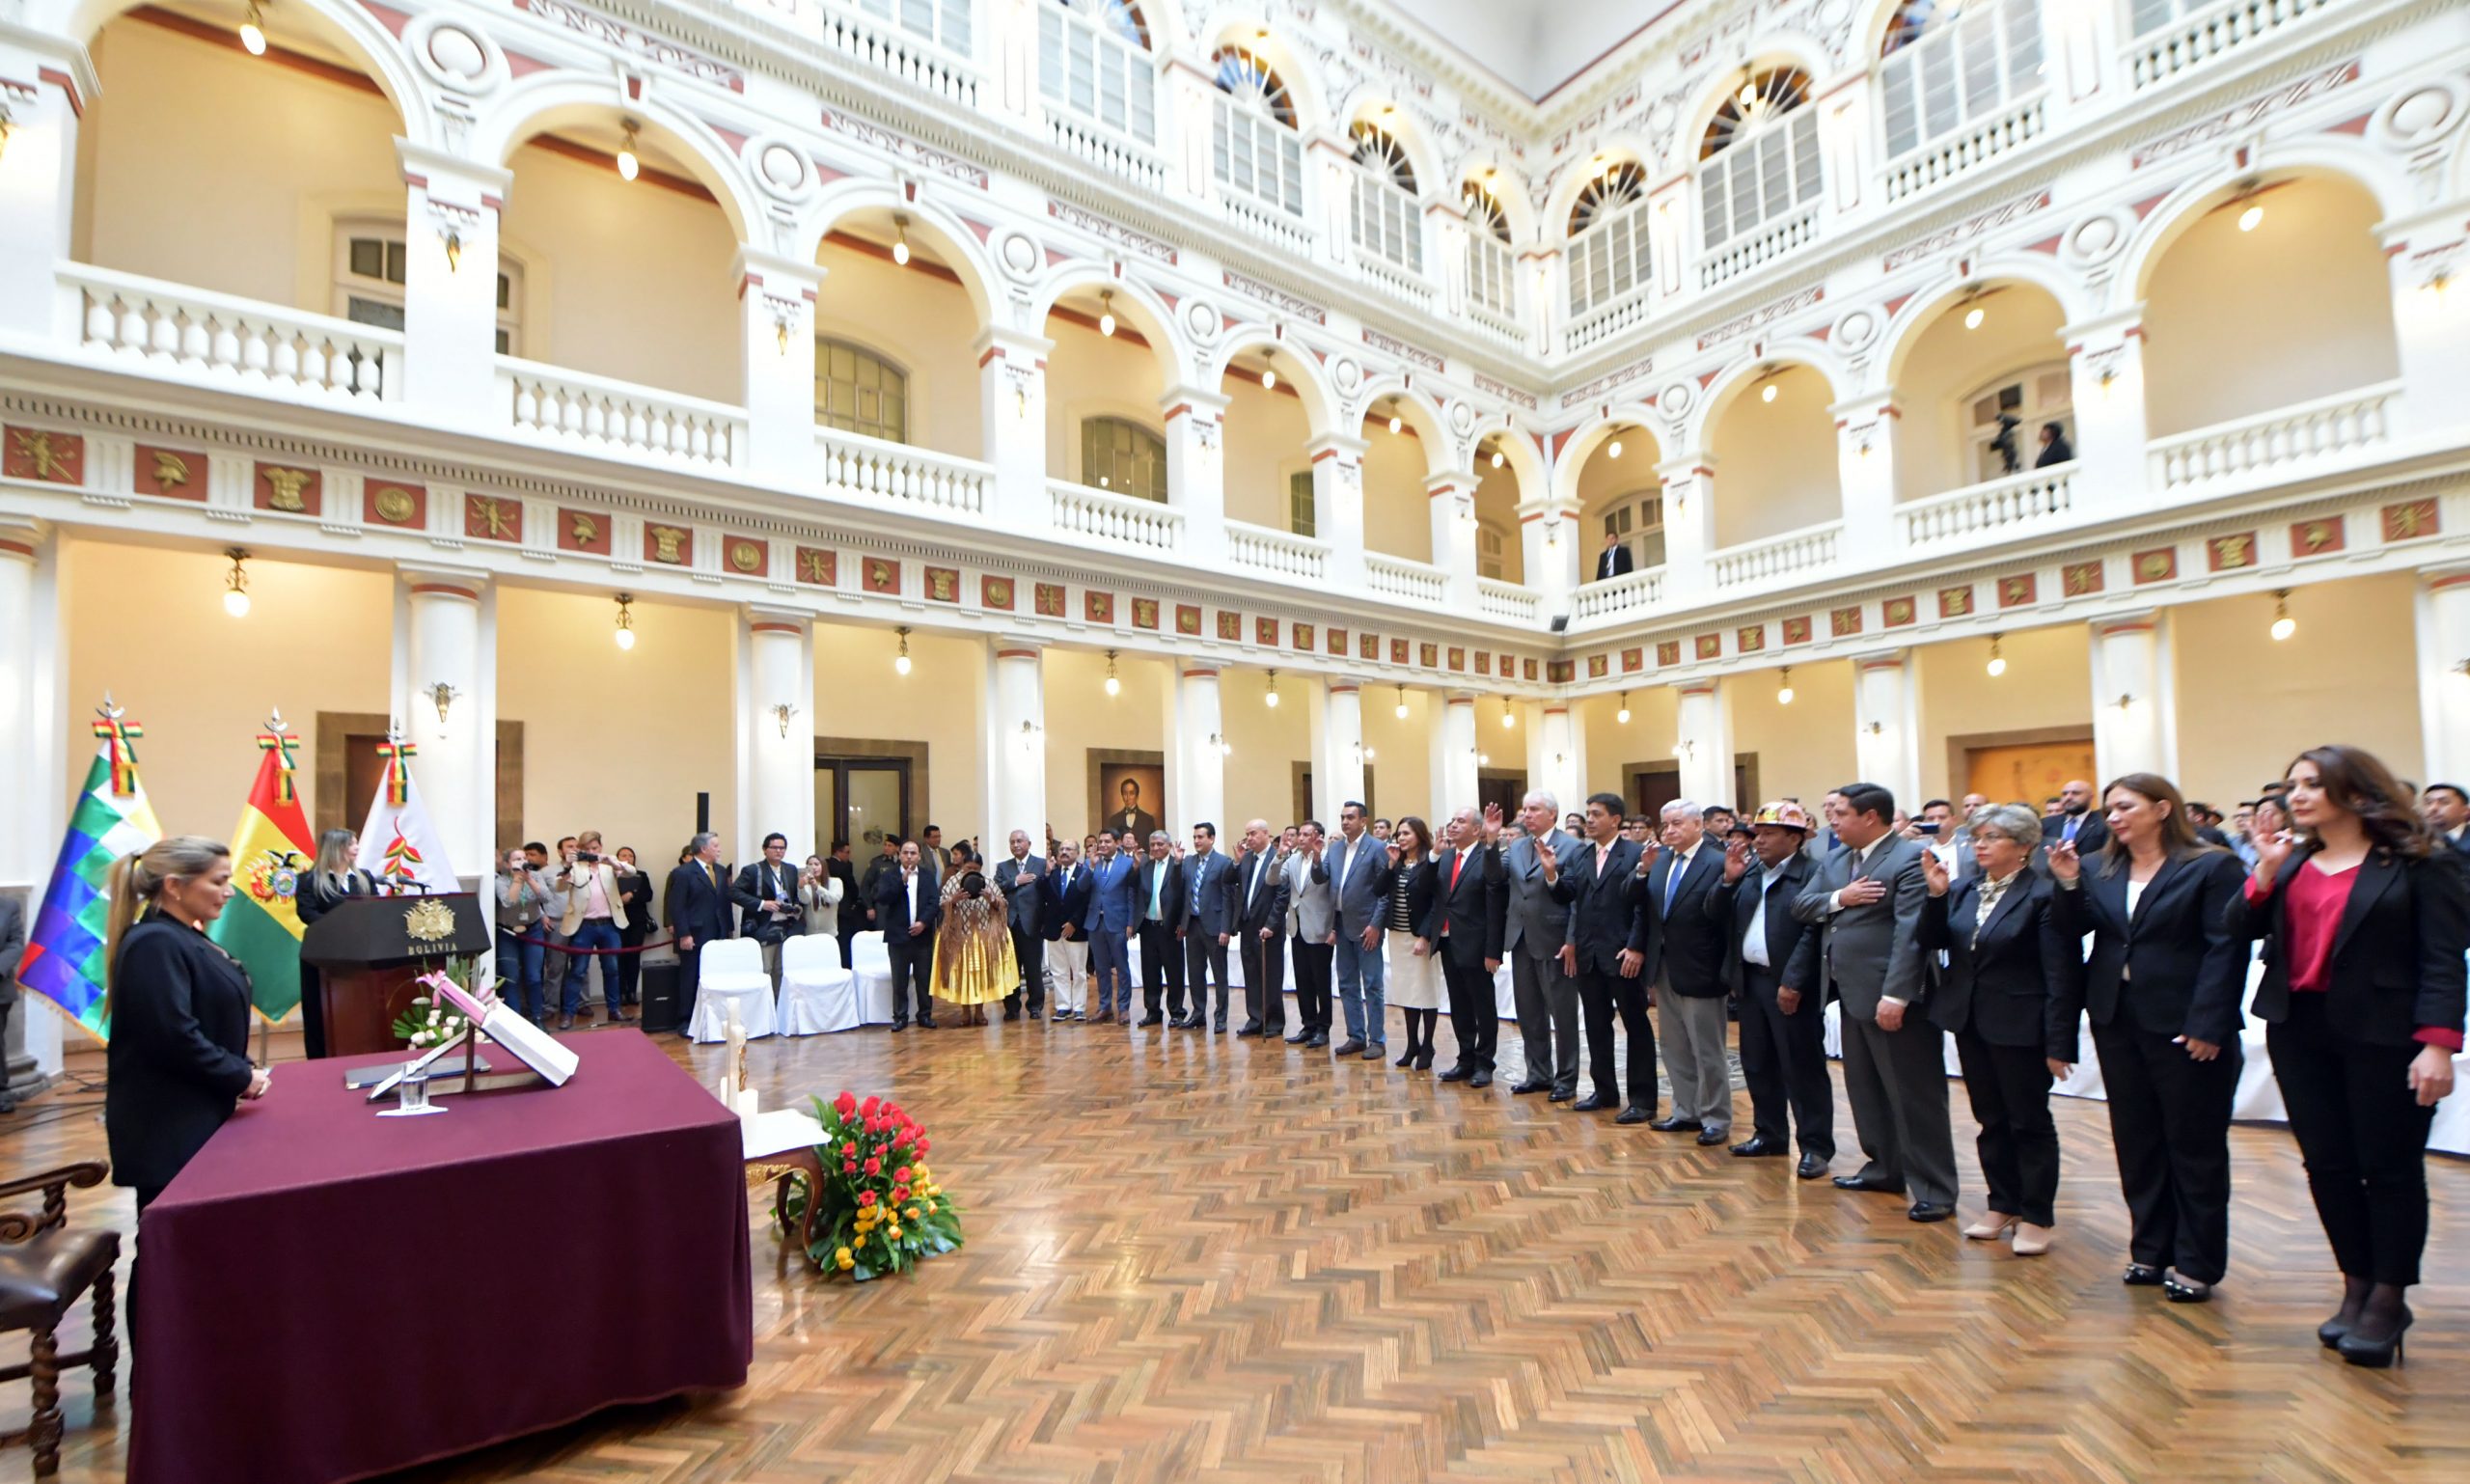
(1614, 560)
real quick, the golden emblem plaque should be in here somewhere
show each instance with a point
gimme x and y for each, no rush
(429, 921)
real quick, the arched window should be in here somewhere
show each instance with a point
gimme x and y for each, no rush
(1095, 64)
(1759, 160)
(1490, 260)
(1388, 223)
(859, 391)
(369, 260)
(1942, 67)
(1608, 238)
(1259, 156)
(1123, 456)
(943, 23)
(2029, 398)
(1637, 520)
(1491, 551)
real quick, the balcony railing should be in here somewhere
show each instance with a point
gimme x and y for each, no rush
(1747, 253)
(1260, 549)
(1607, 322)
(1411, 582)
(1107, 151)
(1397, 280)
(1266, 222)
(2165, 51)
(1124, 520)
(1507, 600)
(217, 337)
(912, 59)
(1794, 554)
(1629, 594)
(1502, 324)
(2018, 504)
(2275, 442)
(565, 406)
(857, 465)
(1944, 159)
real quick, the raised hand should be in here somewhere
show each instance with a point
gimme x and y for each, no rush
(2272, 853)
(1492, 822)
(1545, 856)
(1647, 854)
(1934, 873)
(1736, 859)
(2064, 864)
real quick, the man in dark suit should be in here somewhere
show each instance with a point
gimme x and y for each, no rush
(2077, 820)
(1535, 929)
(766, 893)
(1470, 912)
(1158, 892)
(1209, 924)
(1066, 915)
(1312, 917)
(1260, 931)
(1605, 947)
(907, 905)
(1770, 960)
(1866, 898)
(1025, 913)
(1685, 965)
(853, 911)
(2444, 807)
(1614, 560)
(1356, 866)
(697, 912)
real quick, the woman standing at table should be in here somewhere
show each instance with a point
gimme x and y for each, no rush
(179, 1009)
(2163, 985)
(1414, 966)
(2367, 916)
(332, 880)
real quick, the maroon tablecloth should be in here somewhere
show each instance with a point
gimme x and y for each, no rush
(326, 1294)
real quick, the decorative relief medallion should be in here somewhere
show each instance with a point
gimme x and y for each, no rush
(669, 546)
(1750, 639)
(1230, 626)
(583, 530)
(818, 567)
(880, 574)
(1843, 623)
(1020, 255)
(749, 557)
(995, 593)
(39, 454)
(455, 54)
(173, 474)
(2018, 590)
(1668, 654)
(2230, 553)
(943, 584)
(291, 491)
(1144, 613)
(1706, 647)
(2410, 520)
(2317, 538)
(1855, 330)
(1955, 602)
(1098, 607)
(392, 505)
(1428, 656)
(2159, 565)
(1896, 612)
(1598, 665)
(1188, 620)
(1797, 629)
(2081, 578)
(1048, 597)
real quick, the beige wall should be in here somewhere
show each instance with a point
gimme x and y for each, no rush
(1946, 364)
(1081, 716)
(1090, 375)
(619, 740)
(1613, 748)
(925, 324)
(1803, 748)
(148, 626)
(1496, 504)
(1268, 742)
(2048, 683)
(1398, 514)
(939, 702)
(1605, 479)
(1264, 439)
(2247, 705)
(1401, 766)
(2239, 323)
(1776, 463)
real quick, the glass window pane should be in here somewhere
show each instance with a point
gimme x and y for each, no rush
(368, 258)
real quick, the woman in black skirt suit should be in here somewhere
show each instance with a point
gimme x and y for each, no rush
(2367, 916)
(331, 880)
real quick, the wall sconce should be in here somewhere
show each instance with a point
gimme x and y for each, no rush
(780, 330)
(453, 250)
(1683, 747)
(1114, 687)
(625, 621)
(2461, 667)
(901, 242)
(1362, 754)
(1876, 728)
(1483, 759)
(235, 584)
(1029, 731)
(2124, 701)
(1270, 700)
(628, 167)
(7, 126)
(442, 696)
(1226, 749)
(782, 712)
(900, 661)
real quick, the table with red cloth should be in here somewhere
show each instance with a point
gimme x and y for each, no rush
(326, 1294)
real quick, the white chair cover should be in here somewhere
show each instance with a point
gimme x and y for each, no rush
(872, 968)
(731, 974)
(816, 994)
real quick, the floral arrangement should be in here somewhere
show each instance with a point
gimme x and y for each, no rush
(882, 1209)
(428, 1023)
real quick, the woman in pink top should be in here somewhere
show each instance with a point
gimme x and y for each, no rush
(2366, 915)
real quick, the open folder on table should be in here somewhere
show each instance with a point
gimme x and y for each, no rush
(530, 1045)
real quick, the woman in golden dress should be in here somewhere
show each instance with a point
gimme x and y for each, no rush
(974, 962)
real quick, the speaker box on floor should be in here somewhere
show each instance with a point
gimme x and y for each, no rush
(660, 998)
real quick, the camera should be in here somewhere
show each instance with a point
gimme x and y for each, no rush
(587, 858)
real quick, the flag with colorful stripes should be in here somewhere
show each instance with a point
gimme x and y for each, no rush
(64, 960)
(270, 857)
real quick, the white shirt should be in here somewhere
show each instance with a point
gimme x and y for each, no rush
(909, 883)
(1348, 849)
(1753, 942)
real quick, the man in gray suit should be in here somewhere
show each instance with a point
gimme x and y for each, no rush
(1356, 868)
(1314, 919)
(13, 947)
(1547, 997)
(1866, 899)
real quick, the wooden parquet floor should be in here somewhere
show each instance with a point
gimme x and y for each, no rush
(1195, 1258)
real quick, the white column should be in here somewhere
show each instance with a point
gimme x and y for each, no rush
(1886, 717)
(1016, 743)
(1012, 71)
(1552, 541)
(2134, 701)
(777, 761)
(1455, 745)
(32, 726)
(776, 323)
(1451, 501)
(1865, 470)
(1196, 776)
(1189, 110)
(451, 285)
(1329, 189)
(1337, 751)
(1843, 104)
(2444, 683)
(1338, 505)
(2106, 358)
(1703, 720)
(1556, 757)
(37, 180)
(1196, 471)
(1011, 369)
(1688, 524)
(450, 641)
(2431, 318)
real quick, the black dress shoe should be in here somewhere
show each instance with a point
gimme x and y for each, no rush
(1714, 1136)
(1380, 1049)
(1319, 1039)
(899, 1023)
(1865, 1183)
(1930, 1211)
(1530, 1084)
(1481, 1079)
(1036, 1014)
(1459, 1073)
(925, 1023)
(1810, 1168)
(1249, 1027)
(1146, 1021)
(1010, 1016)
(1349, 1047)
(1218, 1028)
(1676, 1125)
(2187, 1290)
(1561, 1094)
(1759, 1146)
(2140, 1275)
(1634, 1114)
(1299, 1039)
(1592, 1102)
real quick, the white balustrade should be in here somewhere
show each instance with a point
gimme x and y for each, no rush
(859, 467)
(1759, 247)
(1411, 582)
(567, 407)
(1397, 280)
(1944, 159)
(1507, 600)
(910, 59)
(2274, 440)
(2165, 51)
(1122, 520)
(1500, 324)
(1627, 593)
(1107, 151)
(262, 346)
(2018, 504)
(1794, 554)
(1268, 223)
(1260, 549)
(1609, 320)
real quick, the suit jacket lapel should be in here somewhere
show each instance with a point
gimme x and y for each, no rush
(2375, 877)
(2017, 891)
(2161, 878)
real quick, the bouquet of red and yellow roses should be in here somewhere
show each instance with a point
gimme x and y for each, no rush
(882, 1209)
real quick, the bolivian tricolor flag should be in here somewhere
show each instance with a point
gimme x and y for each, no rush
(270, 858)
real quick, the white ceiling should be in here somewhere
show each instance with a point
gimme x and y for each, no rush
(1534, 45)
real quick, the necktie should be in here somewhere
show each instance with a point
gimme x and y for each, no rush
(1673, 882)
(1456, 864)
(1157, 889)
(1200, 872)
(2067, 834)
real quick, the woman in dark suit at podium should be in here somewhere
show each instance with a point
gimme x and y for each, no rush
(332, 880)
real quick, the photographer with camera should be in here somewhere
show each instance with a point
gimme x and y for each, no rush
(595, 912)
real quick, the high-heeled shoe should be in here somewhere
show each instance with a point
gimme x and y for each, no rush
(2032, 1241)
(2179, 1290)
(1423, 1059)
(2345, 1318)
(1407, 1057)
(2374, 1354)
(1990, 1227)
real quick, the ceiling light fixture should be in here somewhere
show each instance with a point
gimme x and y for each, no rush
(2249, 219)
(1395, 422)
(1509, 717)
(2284, 625)
(1107, 312)
(1997, 661)
(1623, 715)
(900, 661)
(1973, 318)
(901, 242)
(1268, 373)
(1766, 393)
(1402, 702)
(625, 621)
(1114, 687)
(1784, 687)
(253, 30)
(235, 584)
(1615, 451)
(628, 167)
(1271, 700)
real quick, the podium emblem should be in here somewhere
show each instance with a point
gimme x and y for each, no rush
(429, 921)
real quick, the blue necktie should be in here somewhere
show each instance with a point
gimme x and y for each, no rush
(1200, 870)
(1672, 883)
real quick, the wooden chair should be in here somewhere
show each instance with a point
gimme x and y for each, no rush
(44, 1270)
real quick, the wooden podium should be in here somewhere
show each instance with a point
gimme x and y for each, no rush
(370, 949)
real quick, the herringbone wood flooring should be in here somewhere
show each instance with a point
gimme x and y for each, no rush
(1191, 1258)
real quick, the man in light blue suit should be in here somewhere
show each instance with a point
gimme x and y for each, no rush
(1113, 912)
(1356, 868)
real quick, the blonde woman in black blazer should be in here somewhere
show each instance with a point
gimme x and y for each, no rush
(2366, 917)
(2163, 985)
